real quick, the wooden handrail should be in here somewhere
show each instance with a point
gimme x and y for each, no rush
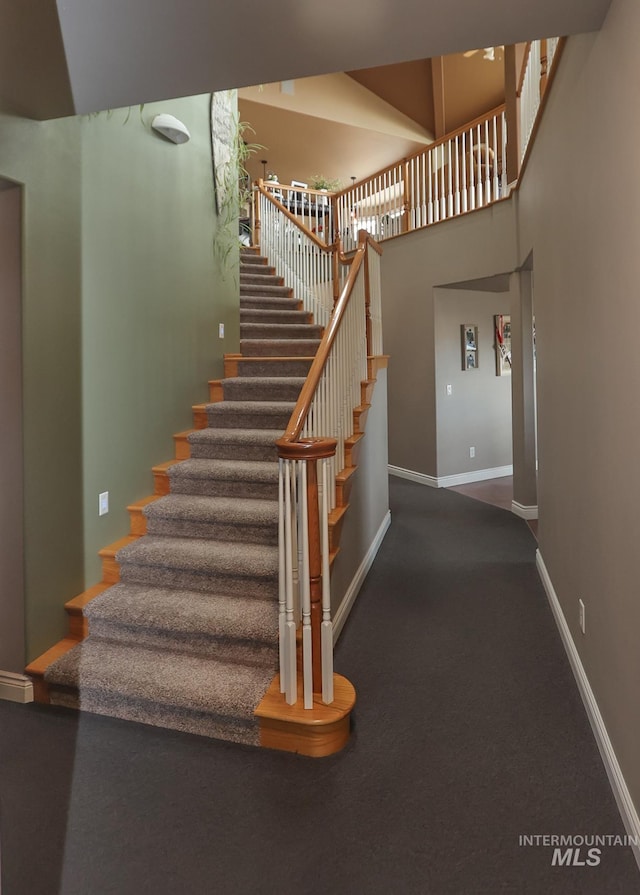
(427, 148)
(303, 405)
(294, 220)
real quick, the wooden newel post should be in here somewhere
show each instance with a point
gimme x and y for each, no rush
(310, 451)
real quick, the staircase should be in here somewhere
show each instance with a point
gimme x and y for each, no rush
(183, 631)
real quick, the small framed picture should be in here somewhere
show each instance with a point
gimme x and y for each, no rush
(502, 325)
(469, 334)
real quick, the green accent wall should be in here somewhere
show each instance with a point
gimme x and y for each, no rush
(45, 158)
(122, 299)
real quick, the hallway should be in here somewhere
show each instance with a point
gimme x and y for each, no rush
(469, 733)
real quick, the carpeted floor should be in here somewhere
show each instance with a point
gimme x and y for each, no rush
(469, 732)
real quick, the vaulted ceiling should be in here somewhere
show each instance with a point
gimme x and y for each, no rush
(63, 57)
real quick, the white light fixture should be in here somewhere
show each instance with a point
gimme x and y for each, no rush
(171, 128)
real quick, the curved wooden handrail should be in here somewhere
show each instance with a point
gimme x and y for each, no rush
(427, 148)
(327, 247)
(303, 405)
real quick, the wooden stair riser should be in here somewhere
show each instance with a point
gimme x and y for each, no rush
(137, 518)
(161, 481)
(182, 448)
(110, 566)
(352, 447)
(360, 418)
(216, 393)
(200, 419)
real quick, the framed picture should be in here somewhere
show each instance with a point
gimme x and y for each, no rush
(469, 333)
(502, 328)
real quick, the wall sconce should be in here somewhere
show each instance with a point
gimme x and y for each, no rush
(171, 128)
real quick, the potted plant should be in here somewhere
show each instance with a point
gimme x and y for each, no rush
(323, 184)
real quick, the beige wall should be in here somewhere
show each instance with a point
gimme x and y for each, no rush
(12, 641)
(368, 501)
(478, 411)
(579, 212)
(473, 246)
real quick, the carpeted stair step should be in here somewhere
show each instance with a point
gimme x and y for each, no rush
(268, 303)
(254, 479)
(250, 414)
(275, 366)
(262, 388)
(280, 331)
(234, 444)
(253, 258)
(277, 315)
(257, 277)
(265, 289)
(279, 347)
(162, 688)
(217, 518)
(249, 570)
(258, 270)
(221, 626)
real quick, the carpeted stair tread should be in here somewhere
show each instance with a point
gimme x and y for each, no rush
(225, 478)
(234, 444)
(279, 348)
(174, 690)
(276, 366)
(250, 414)
(216, 518)
(194, 564)
(253, 258)
(192, 621)
(268, 302)
(285, 331)
(264, 289)
(277, 315)
(264, 270)
(262, 388)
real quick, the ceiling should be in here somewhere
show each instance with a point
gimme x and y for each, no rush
(63, 57)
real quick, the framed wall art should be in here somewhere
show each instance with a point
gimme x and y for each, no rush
(469, 334)
(502, 327)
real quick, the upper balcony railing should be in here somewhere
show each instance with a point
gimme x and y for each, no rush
(465, 170)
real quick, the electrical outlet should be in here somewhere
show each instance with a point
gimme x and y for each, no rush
(103, 503)
(449, 390)
(581, 616)
(221, 330)
(472, 452)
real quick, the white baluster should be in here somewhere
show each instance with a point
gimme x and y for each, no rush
(290, 624)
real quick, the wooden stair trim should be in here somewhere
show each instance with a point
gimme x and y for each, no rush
(317, 732)
(37, 668)
(137, 518)
(110, 565)
(200, 419)
(182, 448)
(216, 393)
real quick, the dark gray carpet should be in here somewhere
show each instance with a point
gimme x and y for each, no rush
(469, 732)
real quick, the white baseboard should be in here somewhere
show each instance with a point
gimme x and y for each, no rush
(15, 687)
(352, 591)
(420, 477)
(449, 481)
(614, 772)
(478, 475)
(523, 511)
